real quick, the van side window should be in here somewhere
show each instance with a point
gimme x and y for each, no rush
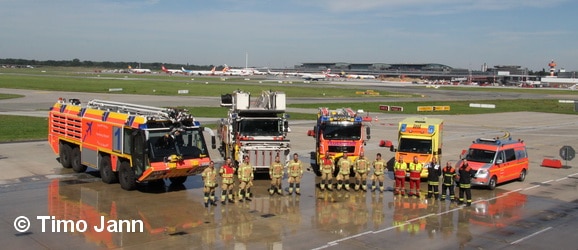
(510, 155)
(500, 157)
(521, 154)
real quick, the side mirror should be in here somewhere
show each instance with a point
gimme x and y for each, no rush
(310, 133)
(499, 161)
(439, 151)
(213, 142)
(368, 132)
(463, 154)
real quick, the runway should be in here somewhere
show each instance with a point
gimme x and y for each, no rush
(534, 214)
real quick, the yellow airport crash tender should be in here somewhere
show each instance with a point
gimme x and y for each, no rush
(421, 137)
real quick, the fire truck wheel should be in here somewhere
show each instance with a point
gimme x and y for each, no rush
(76, 162)
(65, 155)
(492, 183)
(178, 180)
(106, 173)
(126, 176)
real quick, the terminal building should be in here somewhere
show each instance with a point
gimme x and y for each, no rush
(497, 75)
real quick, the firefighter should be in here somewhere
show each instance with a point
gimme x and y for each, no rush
(210, 179)
(465, 174)
(245, 175)
(227, 173)
(415, 169)
(276, 172)
(361, 167)
(378, 173)
(343, 174)
(449, 176)
(433, 178)
(399, 169)
(327, 169)
(295, 171)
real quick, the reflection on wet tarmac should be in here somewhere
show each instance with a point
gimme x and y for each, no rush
(268, 221)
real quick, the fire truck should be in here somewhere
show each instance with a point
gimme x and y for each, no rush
(128, 143)
(255, 128)
(418, 136)
(336, 132)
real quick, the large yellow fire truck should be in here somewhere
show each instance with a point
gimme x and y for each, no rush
(128, 143)
(419, 137)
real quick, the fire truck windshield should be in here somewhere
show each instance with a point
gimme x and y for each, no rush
(480, 155)
(348, 131)
(188, 143)
(415, 145)
(261, 127)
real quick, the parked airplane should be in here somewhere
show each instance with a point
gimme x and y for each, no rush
(138, 71)
(170, 71)
(330, 75)
(242, 72)
(360, 76)
(313, 76)
(199, 72)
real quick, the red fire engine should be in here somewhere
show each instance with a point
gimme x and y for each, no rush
(338, 131)
(128, 143)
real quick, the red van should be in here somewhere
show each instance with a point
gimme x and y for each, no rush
(497, 161)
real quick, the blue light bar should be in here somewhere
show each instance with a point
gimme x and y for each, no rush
(197, 123)
(431, 129)
(403, 127)
(358, 119)
(324, 118)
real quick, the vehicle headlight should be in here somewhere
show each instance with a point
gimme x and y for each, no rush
(482, 173)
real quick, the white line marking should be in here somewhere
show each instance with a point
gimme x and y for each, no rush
(561, 179)
(531, 235)
(532, 187)
(544, 182)
(573, 174)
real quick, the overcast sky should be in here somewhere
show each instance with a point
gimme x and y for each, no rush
(284, 33)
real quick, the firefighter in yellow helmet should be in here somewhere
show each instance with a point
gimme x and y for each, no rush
(343, 174)
(210, 180)
(379, 171)
(276, 171)
(361, 167)
(295, 171)
(327, 169)
(245, 175)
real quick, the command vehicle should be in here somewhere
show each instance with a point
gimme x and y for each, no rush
(336, 132)
(497, 161)
(128, 143)
(421, 137)
(257, 128)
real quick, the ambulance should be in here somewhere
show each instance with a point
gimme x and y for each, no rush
(497, 161)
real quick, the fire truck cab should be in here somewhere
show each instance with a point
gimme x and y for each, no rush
(336, 132)
(419, 137)
(128, 143)
(497, 161)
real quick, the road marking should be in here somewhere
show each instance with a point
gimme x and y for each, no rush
(572, 174)
(561, 179)
(531, 235)
(532, 187)
(544, 182)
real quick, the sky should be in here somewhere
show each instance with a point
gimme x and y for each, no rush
(284, 33)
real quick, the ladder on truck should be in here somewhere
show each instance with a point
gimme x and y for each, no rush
(135, 109)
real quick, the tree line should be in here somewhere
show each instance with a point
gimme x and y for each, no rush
(106, 64)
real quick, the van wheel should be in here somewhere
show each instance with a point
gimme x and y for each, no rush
(522, 175)
(492, 183)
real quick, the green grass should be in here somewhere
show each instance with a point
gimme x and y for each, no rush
(169, 85)
(9, 96)
(22, 128)
(459, 107)
(18, 128)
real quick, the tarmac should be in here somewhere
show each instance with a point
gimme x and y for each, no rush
(534, 214)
